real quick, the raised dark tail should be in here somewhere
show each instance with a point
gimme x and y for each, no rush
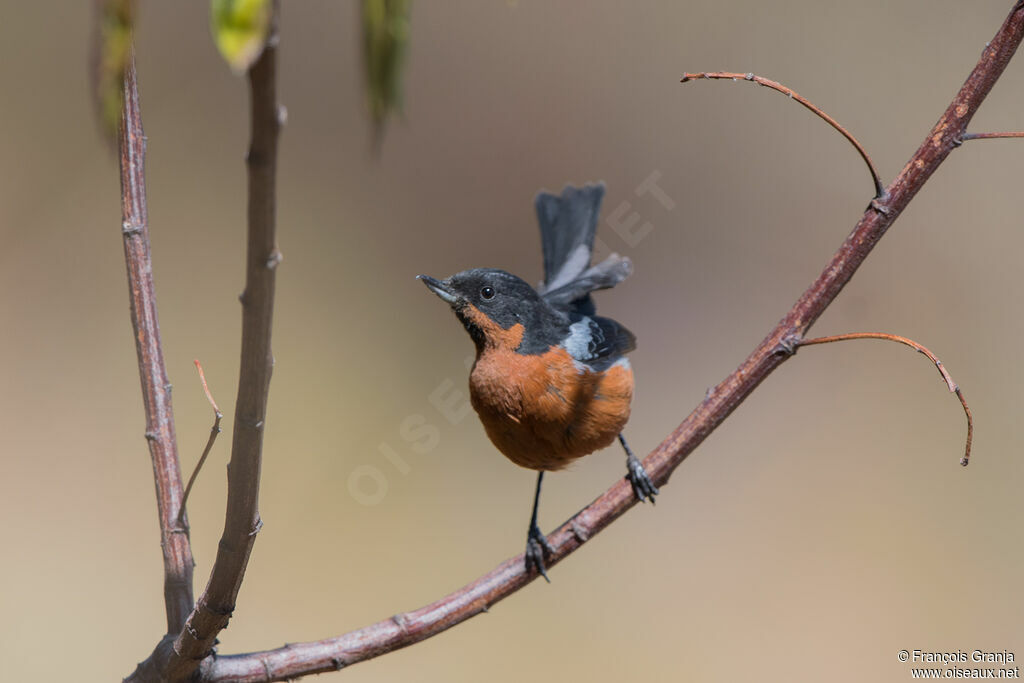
(567, 226)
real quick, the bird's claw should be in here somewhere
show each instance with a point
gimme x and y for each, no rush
(643, 487)
(537, 548)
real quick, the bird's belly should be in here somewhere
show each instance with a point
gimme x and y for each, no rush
(544, 411)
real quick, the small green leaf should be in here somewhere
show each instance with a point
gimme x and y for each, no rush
(385, 39)
(240, 30)
(112, 42)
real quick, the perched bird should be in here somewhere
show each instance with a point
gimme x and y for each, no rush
(551, 382)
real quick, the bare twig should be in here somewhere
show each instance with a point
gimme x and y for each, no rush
(953, 387)
(177, 658)
(990, 136)
(242, 521)
(156, 388)
(802, 100)
(214, 431)
(405, 629)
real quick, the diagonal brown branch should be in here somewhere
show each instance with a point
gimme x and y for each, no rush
(793, 95)
(405, 629)
(177, 658)
(156, 388)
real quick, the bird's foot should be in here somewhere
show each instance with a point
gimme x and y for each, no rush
(537, 548)
(643, 487)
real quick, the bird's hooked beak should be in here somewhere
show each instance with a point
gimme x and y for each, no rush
(440, 288)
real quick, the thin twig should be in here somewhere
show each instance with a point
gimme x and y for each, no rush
(299, 659)
(802, 100)
(214, 431)
(178, 658)
(156, 388)
(990, 136)
(953, 387)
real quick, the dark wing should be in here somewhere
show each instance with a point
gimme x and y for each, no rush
(567, 226)
(598, 342)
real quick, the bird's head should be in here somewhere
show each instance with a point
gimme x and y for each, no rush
(497, 308)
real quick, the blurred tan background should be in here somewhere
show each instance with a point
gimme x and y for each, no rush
(823, 528)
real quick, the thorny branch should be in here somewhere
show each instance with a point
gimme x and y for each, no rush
(406, 629)
(156, 388)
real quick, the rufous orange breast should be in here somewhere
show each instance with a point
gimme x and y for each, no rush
(543, 411)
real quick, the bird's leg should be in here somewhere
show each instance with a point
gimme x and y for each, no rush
(537, 545)
(643, 487)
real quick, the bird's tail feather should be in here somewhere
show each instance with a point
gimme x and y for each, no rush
(568, 223)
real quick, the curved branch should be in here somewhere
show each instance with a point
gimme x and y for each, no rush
(806, 103)
(953, 386)
(156, 388)
(405, 629)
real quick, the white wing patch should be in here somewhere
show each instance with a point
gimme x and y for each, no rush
(580, 340)
(585, 340)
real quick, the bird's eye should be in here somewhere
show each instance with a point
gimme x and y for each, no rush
(487, 292)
